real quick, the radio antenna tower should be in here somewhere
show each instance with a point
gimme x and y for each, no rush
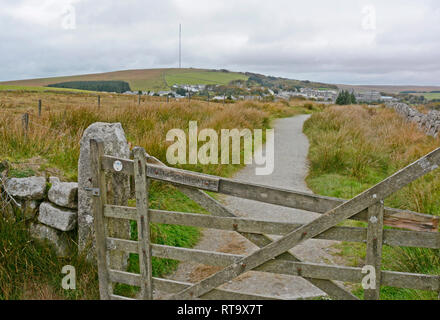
(180, 46)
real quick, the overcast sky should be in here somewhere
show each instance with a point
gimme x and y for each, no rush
(338, 41)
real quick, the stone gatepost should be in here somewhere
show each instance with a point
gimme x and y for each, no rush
(118, 189)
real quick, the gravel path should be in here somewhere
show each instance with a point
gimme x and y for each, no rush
(291, 148)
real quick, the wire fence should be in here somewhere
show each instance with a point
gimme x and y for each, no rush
(6, 200)
(26, 121)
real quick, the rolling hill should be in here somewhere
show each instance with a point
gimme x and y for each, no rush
(145, 79)
(163, 79)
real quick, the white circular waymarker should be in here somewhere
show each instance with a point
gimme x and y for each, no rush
(117, 165)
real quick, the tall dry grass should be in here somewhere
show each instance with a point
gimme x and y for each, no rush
(52, 142)
(56, 134)
(369, 145)
(355, 147)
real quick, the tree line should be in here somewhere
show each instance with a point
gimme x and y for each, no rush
(102, 86)
(345, 98)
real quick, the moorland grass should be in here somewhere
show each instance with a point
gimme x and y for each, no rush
(52, 145)
(355, 147)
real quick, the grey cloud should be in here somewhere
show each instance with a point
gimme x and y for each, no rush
(316, 40)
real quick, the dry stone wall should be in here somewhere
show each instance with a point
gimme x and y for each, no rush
(59, 210)
(430, 122)
(51, 206)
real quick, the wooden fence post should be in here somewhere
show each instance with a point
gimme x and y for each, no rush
(143, 222)
(99, 102)
(39, 108)
(139, 99)
(99, 201)
(374, 247)
(25, 123)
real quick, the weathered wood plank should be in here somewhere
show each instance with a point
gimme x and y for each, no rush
(351, 274)
(132, 279)
(120, 212)
(126, 168)
(183, 177)
(229, 295)
(194, 255)
(410, 281)
(333, 289)
(405, 219)
(143, 223)
(374, 248)
(222, 223)
(120, 298)
(98, 203)
(320, 204)
(330, 219)
(302, 269)
(252, 226)
(129, 246)
(304, 201)
(170, 286)
(294, 268)
(175, 253)
(167, 174)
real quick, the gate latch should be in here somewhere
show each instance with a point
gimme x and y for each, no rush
(95, 191)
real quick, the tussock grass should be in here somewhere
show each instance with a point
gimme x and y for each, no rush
(52, 143)
(355, 147)
(30, 269)
(55, 136)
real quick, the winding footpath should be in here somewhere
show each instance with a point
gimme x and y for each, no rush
(291, 149)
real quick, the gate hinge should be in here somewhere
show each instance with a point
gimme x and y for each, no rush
(96, 192)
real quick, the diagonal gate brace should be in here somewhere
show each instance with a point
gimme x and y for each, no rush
(316, 227)
(333, 289)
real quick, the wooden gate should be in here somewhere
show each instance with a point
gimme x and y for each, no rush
(273, 256)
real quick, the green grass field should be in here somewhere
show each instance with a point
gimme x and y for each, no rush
(431, 96)
(428, 95)
(203, 77)
(38, 89)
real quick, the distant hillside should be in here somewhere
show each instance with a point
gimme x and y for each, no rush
(145, 80)
(284, 83)
(163, 79)
(389, 89)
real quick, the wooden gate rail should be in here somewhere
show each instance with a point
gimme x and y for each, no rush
(333, 289)
(311, 270)
(398, 218)
(273, 257)
(317, 226)
(392, 237)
